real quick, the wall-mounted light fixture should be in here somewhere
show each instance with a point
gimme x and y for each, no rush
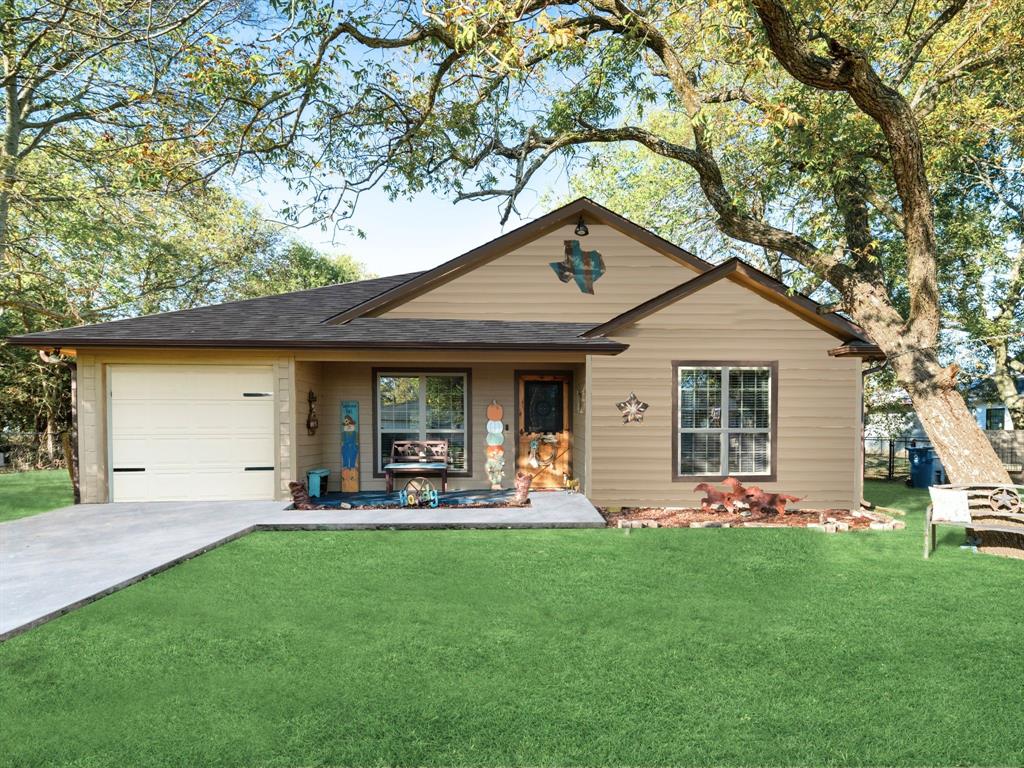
(581, 228)
(312, 422)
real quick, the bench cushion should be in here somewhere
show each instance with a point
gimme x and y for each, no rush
(436, 466)
(949, 505)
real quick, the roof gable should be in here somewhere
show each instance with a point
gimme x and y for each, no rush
(854, 338)
(592, 214)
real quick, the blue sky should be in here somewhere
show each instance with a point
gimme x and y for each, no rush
(410, 235)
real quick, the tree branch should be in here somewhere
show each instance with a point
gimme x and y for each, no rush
(850, 71)
(925, 37)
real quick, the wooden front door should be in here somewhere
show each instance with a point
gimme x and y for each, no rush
(544, 434)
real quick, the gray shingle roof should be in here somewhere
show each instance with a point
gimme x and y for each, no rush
(296, 320)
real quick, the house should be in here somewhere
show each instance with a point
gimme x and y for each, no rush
(983, 401)
(617, 358)
(988, 408)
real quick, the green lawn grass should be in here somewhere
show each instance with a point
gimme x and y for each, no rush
(683, 647)
(29, 493)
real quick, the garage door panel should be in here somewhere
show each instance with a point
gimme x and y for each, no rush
(178, 486)
(124, 448)
(171, 382)
(256, 450)
(186, 416)
(244, 414)
(250, 416)
(193, 431)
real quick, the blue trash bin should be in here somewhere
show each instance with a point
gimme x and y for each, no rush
(921, 465)
(316, 481)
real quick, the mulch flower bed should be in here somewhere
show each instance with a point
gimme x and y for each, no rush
(830, 520)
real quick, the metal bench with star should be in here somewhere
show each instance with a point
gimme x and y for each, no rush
(975, 507)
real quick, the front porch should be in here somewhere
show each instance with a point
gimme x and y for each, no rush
(499, 412)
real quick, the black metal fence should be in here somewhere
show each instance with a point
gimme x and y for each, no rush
(887, 458)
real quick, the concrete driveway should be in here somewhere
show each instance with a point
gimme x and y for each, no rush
(58, 561)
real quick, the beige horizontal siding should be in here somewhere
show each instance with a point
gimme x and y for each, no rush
(309, 453)
(521, 285)
(818, 442)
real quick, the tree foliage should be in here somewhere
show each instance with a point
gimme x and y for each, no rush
(138, 252)
(979, 204)
(981, 231)
(809, 129)
(116, 119)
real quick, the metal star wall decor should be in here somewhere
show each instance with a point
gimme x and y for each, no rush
(632, 409)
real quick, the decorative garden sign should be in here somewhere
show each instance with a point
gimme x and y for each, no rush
(585, 267)
(495, 445)
(350, 446)
(632, 409)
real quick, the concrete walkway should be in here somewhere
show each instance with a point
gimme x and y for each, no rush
(58, 561)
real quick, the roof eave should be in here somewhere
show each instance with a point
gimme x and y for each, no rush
(604, 348)
(868, 352)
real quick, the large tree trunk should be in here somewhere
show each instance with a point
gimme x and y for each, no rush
(963, 449)
(965, 452)
(909, 344)
(50, 435)
(9, 158)
(961, 445)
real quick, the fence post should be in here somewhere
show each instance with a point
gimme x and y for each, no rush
(892, 459)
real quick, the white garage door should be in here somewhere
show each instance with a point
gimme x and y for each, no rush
(191, 432)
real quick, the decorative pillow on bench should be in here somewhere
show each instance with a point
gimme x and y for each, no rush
(949, 505)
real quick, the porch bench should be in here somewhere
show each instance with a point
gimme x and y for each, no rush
(417, 457)
(978, 507)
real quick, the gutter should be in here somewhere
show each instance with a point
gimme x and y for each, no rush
(43, 342)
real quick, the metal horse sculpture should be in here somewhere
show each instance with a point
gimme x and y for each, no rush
(752, 498)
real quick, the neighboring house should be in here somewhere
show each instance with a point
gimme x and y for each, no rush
(984, 403)
(993, 417)
(741, 377)
(988, 408)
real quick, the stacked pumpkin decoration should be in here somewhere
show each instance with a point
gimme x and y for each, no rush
(495, 444)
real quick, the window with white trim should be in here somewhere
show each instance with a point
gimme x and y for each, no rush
(422, 406)
(995, 418)
(725, 420)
